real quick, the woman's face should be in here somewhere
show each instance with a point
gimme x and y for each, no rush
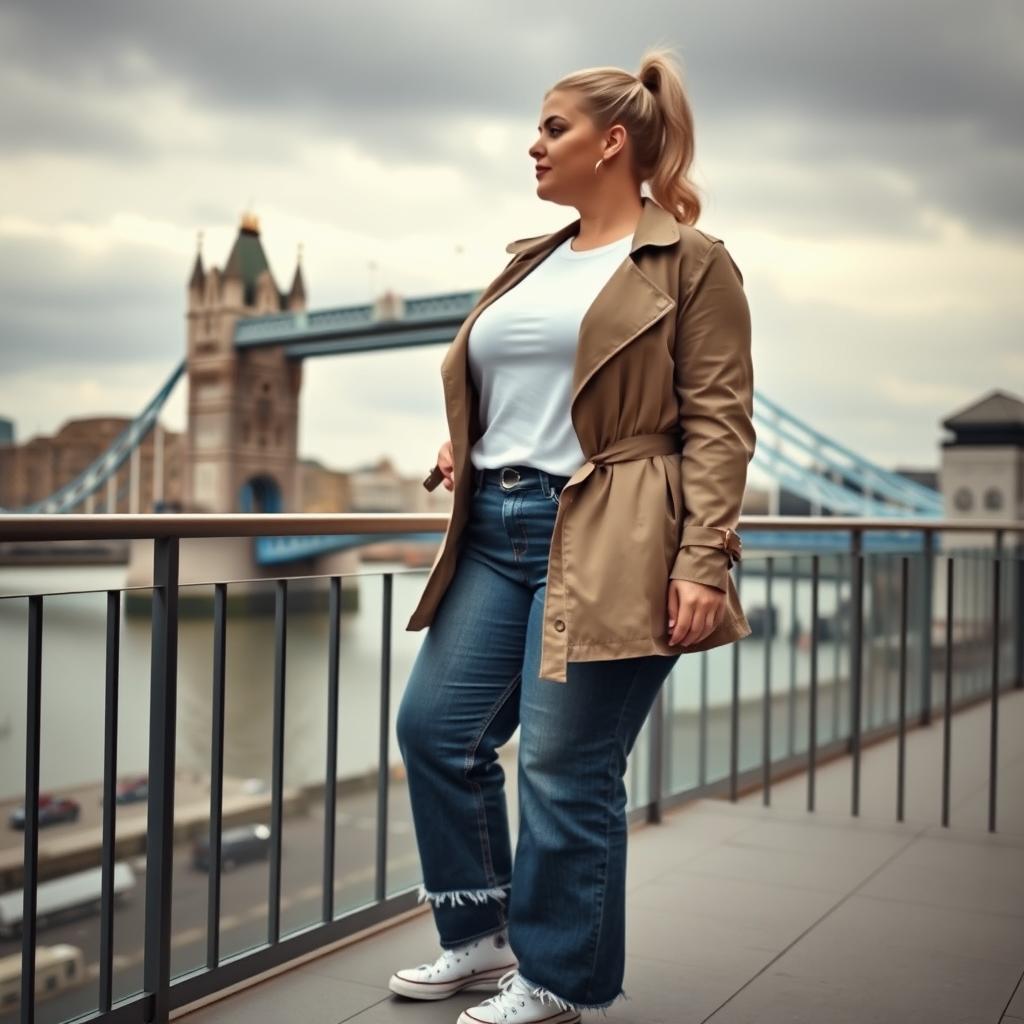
(568, 145)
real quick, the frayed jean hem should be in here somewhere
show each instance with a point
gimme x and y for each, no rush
(546, 995)
(459, 896)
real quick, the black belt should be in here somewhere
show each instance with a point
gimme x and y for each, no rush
(509, 476)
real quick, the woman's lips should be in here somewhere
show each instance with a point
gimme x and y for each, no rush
(542, 170)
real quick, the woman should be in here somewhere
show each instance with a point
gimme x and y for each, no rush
(599, 402)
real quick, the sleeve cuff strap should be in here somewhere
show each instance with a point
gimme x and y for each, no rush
(715, 537)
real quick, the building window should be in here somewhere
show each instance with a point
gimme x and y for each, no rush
(963, 499)
(993, 499)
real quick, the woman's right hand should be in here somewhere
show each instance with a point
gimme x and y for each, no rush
(446, 463)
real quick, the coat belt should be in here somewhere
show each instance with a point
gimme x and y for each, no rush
(641, 446)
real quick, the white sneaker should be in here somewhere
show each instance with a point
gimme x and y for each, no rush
(516, 1002)
(476, 965)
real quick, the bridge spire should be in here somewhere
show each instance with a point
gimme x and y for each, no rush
(198, 277)
(297, 294)
(246, 264)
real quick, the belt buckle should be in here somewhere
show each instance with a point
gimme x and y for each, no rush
(510, 483)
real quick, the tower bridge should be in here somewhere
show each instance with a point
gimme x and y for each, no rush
(246, 343)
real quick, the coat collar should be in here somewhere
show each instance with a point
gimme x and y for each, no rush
(629, 303)
(656, 227)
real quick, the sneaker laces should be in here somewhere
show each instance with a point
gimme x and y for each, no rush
(511, 990)
(444, 959)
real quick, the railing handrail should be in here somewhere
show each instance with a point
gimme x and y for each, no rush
(125, 526)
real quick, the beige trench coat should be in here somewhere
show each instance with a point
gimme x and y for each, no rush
(662, 405)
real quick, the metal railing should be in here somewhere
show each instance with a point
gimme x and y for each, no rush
(1001, 620)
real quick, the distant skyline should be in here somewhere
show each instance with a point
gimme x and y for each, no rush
(864, 165)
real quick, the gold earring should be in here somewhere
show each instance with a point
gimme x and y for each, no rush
(597, 166)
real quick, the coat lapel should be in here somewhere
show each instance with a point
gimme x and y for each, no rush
(627, 304)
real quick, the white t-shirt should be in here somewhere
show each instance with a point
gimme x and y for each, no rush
(522, 348)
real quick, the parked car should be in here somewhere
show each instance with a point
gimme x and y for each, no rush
(237, 845)
(52, 811)
(132, 789)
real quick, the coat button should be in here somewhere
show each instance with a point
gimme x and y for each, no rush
(559, 625)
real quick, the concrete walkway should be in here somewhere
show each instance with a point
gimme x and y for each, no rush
(739, 913)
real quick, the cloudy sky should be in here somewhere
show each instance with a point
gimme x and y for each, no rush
(863, 163)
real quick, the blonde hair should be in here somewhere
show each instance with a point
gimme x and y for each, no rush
(653, 107)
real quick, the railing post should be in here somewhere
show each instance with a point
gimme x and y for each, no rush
(383, 740)
(901, 749)
(160, 810)
(794, 571)
(654, 761)
(734, 710)
(30, 871)
(213, 858)
(927, 609)
(856, 660)
(812, 714)
(947, 700)
(702, 728)
(108, 846)
(331, 769)
(835, 646)
(993, 742)
(277, 761)
(766, 715)
(1018, 611)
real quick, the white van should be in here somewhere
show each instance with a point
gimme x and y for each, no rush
(58, 968)
(63, 897)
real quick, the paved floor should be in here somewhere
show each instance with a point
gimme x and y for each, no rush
(739, 913)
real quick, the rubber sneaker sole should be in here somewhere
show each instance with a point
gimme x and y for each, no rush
(486, 980)
(557, 1017)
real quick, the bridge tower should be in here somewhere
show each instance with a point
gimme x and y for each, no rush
(242, 434)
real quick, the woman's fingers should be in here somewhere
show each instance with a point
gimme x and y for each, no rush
(700, 626)
(446, 465)
(693, 613)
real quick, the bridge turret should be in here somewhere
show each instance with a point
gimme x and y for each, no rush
(213, 288)
(242, 403)
(389, 305)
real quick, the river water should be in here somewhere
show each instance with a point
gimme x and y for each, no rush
(74, 660)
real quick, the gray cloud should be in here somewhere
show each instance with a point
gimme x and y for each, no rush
(931, 90)
(99, 311)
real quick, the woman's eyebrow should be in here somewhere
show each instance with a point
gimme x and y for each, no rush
(550, 118)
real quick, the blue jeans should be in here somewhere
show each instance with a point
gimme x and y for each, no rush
(473, 681)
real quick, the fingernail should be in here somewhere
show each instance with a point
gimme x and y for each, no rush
(671, 623)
